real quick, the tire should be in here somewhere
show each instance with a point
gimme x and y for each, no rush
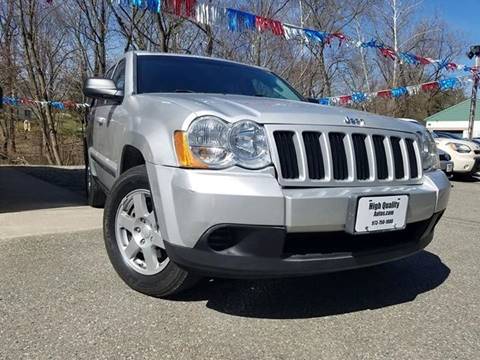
(129, 219)
(95, 195)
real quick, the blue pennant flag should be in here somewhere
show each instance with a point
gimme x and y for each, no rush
(371, 44)
(151, 5)
(408, 58)
(154, 5)
(359, 97)
(10, 101)
(324, 101)
(400, 91)
(314, 35)
(448, 84)
(57, 105)
(239, 20)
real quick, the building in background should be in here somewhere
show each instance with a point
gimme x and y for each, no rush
(455, 120)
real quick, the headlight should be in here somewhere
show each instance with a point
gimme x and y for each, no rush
(428, 151)
(207, 138)
(248, 143)
(461, 148)
(210, 142)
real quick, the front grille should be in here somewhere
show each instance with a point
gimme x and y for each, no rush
(476, 166)
(312, 156)
(444, 156)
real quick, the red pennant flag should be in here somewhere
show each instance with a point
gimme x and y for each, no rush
(423, 61)
(264, 24)
(345, 99)
(430, 86)
(69, 104)
(386, 94)
(341, 37)
(452, 66)
(388, 53)
(181, 7)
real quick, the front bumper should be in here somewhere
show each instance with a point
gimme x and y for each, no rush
(268, 252)
(466, 164)
(189, 203)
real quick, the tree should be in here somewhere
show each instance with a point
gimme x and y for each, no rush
(44, 50)
(8, 71)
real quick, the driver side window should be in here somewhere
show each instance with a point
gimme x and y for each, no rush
(119, 76)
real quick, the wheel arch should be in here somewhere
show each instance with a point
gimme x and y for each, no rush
(131, 156)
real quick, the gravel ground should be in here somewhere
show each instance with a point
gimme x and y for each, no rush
(60, 299)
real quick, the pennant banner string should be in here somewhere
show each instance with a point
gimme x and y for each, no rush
(237, 20)
(395, 93)
(356, 97)
(58, 105)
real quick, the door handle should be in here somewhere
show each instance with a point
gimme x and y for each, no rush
(101, 120)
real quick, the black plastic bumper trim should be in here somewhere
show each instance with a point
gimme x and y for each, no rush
(253, 259)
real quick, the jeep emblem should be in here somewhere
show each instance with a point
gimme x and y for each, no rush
(354, 121)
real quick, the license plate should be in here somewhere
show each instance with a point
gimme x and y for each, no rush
(381, 213)
(449, 167)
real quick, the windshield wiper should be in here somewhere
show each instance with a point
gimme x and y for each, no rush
(183, 91)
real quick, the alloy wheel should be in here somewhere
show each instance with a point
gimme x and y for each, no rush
(138, 238)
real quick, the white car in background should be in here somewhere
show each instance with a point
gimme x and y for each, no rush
(465, 154)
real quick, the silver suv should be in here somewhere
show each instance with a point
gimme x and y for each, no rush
(215, 168)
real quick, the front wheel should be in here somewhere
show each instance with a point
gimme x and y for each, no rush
(133, 240)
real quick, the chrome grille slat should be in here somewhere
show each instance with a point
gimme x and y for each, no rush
(412, 158)
(390, 159)
(372, 160)
(343, 156)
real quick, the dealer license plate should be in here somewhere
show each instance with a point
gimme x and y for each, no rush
(380, 213)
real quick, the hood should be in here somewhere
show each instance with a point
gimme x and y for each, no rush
(274, 111)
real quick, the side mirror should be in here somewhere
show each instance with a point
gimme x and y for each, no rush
(100, 88)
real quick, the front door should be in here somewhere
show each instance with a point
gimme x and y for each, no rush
(105, 127)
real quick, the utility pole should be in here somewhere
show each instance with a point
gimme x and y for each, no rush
(474, 53)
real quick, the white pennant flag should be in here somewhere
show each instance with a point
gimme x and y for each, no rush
(207, 14)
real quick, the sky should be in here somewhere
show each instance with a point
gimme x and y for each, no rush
(462, 15)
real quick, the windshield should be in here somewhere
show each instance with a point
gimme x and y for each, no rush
(168, 74)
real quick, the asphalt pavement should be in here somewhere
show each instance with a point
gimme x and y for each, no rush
(39, 200)
(61, 299)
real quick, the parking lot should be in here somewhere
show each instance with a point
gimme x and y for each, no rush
(60, 298)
